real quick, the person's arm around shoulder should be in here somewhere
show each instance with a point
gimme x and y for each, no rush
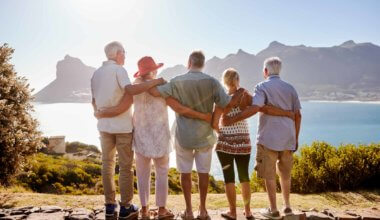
(222, 99)
(188, 112)
(135, 89)
(258, 101)
(165, 90)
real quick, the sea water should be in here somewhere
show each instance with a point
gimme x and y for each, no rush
(333, 122)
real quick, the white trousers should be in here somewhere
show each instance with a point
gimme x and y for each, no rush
(143, 171)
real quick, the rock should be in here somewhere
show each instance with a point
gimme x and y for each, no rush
(50, 209)
(47, 216)
(296, 216)
(366, 214)
(316, 216)
(2, 214)
(16, 212)
(13, 217)
(81, 214)
(339, 215)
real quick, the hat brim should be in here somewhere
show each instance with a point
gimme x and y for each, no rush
(139, 73)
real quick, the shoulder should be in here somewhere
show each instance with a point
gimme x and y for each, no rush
(288, 86)
(120, 69)
(261, 85)
(137, 80)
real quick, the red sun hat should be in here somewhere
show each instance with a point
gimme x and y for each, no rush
(146, 65)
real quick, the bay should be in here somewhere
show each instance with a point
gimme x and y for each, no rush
(333, 122)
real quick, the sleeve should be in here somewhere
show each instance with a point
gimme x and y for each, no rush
(122, 77)
(296, 101)
(221, 98)
(165, 90)
(258, 96)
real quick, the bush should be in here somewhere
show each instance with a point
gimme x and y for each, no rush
(19, 137)
(74, 147)
(56, 174)
(322, 167)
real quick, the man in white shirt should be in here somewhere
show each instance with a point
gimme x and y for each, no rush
(109, 84)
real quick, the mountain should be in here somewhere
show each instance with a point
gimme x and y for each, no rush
(349, 71)
(72, 83)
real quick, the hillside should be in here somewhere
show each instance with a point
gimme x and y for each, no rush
(349, 71)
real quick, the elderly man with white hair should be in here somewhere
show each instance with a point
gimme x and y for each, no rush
(109, 84)
(277, 137)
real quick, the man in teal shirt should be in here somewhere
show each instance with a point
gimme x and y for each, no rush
(194, 139)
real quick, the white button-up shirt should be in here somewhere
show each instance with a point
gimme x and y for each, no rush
(107, 87)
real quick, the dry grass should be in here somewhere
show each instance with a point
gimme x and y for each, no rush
(333, 200)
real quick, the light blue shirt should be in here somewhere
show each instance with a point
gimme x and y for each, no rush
(276, 133)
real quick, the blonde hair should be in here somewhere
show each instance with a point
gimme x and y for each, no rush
(230, 77)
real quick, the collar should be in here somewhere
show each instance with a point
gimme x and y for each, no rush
(195, 70)
(108, 62)
(274, 76)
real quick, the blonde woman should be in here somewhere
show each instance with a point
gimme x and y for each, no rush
(151, 138)
(234, 144)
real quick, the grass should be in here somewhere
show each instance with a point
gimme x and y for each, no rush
(16, 197)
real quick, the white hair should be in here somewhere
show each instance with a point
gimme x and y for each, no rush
(112, 48)
(273, 65)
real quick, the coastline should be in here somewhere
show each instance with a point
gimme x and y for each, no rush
(345, 101)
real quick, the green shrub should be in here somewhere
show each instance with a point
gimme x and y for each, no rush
(322, 167)
(19, 135)
(74, 147)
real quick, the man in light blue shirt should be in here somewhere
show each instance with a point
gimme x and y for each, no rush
(277, 137)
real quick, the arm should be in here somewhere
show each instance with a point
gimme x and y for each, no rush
(297, 120)
(246, 113)
(235, 100)
(274, 111)
(188, 112)
(216, 117)
(93, 104)
(143, 87)
(124, 104)
(154, 92)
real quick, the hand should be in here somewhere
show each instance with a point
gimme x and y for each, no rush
(97, 114)
(292, 115)
(160, 81)
(208, 117)
(226, 120)
(296, 146)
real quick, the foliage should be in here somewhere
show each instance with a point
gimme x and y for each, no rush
(74, 147)
(57, 174)
(19, 136)
(322, 167)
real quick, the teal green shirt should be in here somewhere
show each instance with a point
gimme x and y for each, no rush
(200, 92)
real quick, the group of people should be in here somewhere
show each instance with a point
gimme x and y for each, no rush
(208, 116)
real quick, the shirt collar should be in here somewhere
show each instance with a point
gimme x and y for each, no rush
(195, 70)
(273, 76)
(108, 62)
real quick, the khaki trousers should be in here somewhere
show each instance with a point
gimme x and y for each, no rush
(122, 143)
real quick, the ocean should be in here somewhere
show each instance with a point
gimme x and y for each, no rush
(334, 122)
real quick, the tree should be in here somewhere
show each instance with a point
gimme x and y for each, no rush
(19, 136)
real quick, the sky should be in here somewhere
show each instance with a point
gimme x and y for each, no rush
(42, 32)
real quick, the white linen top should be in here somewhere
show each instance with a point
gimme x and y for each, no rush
(151, 137)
